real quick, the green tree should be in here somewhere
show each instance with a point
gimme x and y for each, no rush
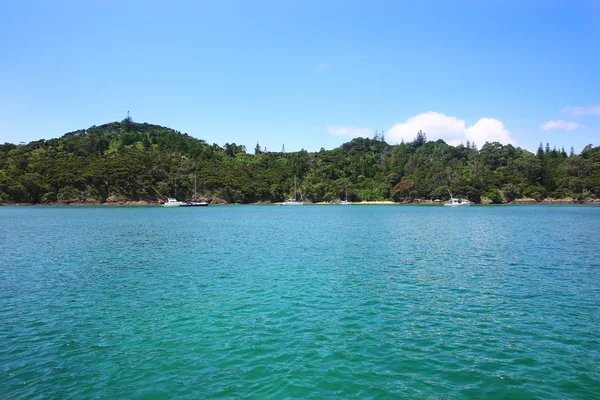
(420, 139)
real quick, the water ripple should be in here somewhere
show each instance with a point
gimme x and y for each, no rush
(308, 302)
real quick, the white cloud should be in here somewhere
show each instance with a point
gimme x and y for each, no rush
(559, 124)
(489, 130)
(450, 129)
(349, 131)
(593, 109)
(323, 66)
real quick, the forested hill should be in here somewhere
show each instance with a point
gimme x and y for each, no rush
(143, 162)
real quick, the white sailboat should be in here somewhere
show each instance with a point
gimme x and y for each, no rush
(293, 201)
(346, 202)
(194, 202)
(457, 202)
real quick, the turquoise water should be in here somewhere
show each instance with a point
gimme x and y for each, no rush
(300, 302)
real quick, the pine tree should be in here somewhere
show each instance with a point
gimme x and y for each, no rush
(540, 151)
(420, 140)
(547, 147)
(572, 152)
(257, 149)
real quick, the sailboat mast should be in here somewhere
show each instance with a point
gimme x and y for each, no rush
(295, 198)
(195, 191)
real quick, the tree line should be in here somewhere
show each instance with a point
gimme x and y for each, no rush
(136, 161)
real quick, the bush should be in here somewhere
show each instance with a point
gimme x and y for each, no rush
(510, 192)
(494, 196)
(68, 194)
(441, 193)
(473, 194)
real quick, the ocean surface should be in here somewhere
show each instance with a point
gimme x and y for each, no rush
(273, 302)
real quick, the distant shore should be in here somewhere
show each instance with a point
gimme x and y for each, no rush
(124, 202)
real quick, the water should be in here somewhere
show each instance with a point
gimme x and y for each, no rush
(300, 302)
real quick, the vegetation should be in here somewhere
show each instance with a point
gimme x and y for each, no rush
(148, 162)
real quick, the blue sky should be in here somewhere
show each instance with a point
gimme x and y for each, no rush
(307, 74)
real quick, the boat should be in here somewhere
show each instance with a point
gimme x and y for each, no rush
(457, 201)
(293, 201)
(171, 202)
(195, 202)
(345, 202)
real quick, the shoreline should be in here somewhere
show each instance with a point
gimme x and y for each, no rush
(380, 202)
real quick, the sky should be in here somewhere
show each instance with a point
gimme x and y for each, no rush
(305, 74)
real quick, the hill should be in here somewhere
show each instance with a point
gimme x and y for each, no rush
(128, 161)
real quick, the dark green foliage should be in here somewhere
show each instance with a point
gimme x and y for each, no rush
(420, 140)
(494, 196)
(4, 148)
(140, 161)
(540, 152)
(127, 123)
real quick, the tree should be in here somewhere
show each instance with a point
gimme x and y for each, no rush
(420, 140)
(257, 149)
(494, 196)
(230, 149)
(402, 190)
(540, 152)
